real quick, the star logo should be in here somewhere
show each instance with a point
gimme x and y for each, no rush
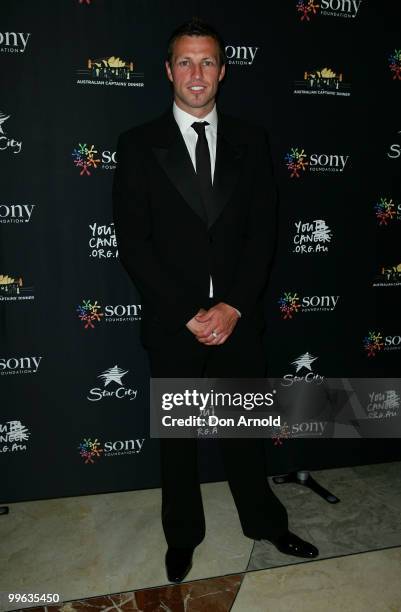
(3, 118)
(114, 374)
(304, 361)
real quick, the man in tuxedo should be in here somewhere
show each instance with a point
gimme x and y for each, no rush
(194, 212)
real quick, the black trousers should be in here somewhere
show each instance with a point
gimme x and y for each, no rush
(261, 513)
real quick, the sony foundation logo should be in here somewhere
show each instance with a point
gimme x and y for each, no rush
(309, 9)
(374, 343)
(19, 365)
(14, 42)
(240, 55)
(387, 211)
(394, 151)
(87, 159)
(92, 449)
(91, 313)
(290, 303)
(16, 213)
(298, 162)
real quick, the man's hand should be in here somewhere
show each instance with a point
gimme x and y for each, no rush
(217, 324)
(194, 325)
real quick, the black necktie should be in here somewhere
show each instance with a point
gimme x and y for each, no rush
(203, 167)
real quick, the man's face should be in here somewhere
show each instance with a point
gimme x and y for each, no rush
(195, 72)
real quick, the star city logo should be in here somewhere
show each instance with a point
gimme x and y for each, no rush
(112, 377)
(322, 82)
(110, 71)
(327, 8)
(373, 343)
(89, 313)
(298, 162)
(13, 145)
(395, 64)
(303, 362)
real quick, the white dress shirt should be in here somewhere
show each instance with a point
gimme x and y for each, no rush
(185, 121)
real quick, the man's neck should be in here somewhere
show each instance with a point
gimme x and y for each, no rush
(199, 113)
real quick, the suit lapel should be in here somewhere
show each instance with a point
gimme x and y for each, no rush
(174, 158)
(171, 152)
(227, 169)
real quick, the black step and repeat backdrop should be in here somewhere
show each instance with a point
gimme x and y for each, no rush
(324, 77)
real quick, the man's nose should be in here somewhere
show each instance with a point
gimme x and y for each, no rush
(197, 71)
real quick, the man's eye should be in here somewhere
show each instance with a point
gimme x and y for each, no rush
(183, 63)
(208, 63)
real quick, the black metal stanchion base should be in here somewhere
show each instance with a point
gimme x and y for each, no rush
(305, 479)
(4, 510)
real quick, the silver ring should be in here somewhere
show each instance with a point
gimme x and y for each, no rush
(214, 334)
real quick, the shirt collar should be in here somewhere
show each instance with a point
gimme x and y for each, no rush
(185, 120)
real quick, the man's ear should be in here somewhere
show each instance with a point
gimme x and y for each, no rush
(222, 72)
(168, 71)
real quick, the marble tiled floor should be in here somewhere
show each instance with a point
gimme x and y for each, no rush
(90, 546)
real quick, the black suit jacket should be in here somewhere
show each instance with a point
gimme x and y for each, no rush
(165, 244)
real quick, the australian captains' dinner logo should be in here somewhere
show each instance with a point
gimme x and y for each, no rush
(389, 276)
(322, 82)
(110, 71)
(14, 290)
(395, 64)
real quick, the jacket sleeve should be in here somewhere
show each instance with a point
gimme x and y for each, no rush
(133, 226)
(260, 235)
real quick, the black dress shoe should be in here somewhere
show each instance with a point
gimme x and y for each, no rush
(178, 563)
(291, 544)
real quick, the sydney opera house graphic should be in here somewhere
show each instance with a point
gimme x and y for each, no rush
(109, 69)
(323, 78)
(10, 286)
